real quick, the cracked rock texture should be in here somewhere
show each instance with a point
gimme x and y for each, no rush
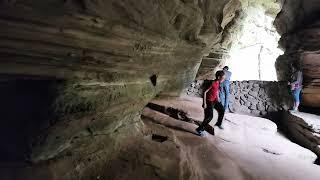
(298, 24)
(304, 129)
(107, 60)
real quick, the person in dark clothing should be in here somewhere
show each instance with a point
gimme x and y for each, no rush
(210, 101)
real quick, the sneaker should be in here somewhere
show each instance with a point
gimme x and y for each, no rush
(201, 133)
(220, 127)
(294, 110)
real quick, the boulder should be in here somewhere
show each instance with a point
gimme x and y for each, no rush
(303, 128)
(253, 100)
(253, 93)
(242, 102)
(247, 103)
(263, 113)
(255, 112)
(253, 107)
(261, 107)
(256, 86)
(242, 97)
(255, 89)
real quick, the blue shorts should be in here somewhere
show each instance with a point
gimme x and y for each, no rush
(296, 94)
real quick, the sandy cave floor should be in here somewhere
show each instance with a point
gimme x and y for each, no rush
(248, 147)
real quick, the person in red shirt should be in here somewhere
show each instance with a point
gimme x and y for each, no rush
(210, 101)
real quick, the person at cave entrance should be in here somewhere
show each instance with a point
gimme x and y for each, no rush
(210, 102)
(296, 85)
(224, 88)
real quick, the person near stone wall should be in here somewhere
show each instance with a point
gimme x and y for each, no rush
(224, 89)
(210, 101)
(296, 85)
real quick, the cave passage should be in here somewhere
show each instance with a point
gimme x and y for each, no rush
(255, 49)
(98, 89)
(26, 110)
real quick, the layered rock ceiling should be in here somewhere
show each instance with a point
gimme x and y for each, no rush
(107, 60)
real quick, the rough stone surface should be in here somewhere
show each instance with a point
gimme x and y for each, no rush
(107, 60)
(252, 143)
(258, 98)
(239, 18)
(298, 22)
(302, 49)
(304, 129)
(112, 57)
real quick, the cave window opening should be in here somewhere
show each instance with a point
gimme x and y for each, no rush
(254, 49)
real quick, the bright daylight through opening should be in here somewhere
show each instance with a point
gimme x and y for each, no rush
(254, 52)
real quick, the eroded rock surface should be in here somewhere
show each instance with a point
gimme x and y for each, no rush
(304, 129)
(110, 58)
(247, 34)
(298, 24)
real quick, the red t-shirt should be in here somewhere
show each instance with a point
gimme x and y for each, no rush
(212, 94)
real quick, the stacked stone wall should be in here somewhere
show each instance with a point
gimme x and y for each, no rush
(258, 98)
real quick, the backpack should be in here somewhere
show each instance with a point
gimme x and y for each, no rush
(206, 84)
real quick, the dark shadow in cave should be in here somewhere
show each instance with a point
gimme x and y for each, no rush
(26, 110)
(311, 110)
(317, 162)
(153, 80)
(159, 138)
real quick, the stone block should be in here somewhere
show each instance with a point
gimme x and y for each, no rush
(255, 112)
(271, 109)
(262, 92)
(247, 104)
(253, 93)
(263, 96)
(252, 100)
(263, 113)
(242, 97)
(242, 102)
(253, 107)
(255, 89)
(245, 110)
(261, 107)
(256, 85)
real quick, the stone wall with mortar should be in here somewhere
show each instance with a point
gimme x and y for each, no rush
(257, 98)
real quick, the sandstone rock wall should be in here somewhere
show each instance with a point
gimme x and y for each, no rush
(112, 58)
(303, 128)
(302, 49)
(298, 24)
(241, 17)
(258, 98)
